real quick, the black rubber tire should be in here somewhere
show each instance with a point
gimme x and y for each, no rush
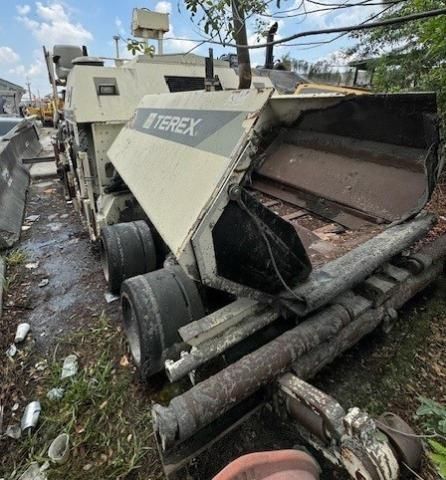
(128, 250)
(154, 307)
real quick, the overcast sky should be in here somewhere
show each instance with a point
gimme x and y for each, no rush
(26, 26)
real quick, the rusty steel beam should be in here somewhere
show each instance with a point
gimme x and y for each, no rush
(335, 277)
(211, 398)
(310, 364)
(207, 401)
(213, 347)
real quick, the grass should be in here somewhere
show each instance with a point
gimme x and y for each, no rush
(13, 260)
(107, 418)
(16, 258)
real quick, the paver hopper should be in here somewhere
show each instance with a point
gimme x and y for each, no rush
(290, 222)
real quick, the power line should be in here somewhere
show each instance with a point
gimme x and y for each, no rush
(350, 28)
(330, 9)
(311, 45)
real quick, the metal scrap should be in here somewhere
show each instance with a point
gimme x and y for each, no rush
(31, 415)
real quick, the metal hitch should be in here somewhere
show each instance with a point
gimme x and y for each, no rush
(367, 449)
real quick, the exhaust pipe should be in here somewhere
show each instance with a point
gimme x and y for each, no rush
(269, 57)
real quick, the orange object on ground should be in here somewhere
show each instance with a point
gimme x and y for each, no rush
(275, 465)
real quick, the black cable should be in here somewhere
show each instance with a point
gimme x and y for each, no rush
(269, 248)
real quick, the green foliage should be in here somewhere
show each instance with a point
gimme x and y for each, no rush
(438, 457)
(410, 56)
(136, 47)
(433, 416)
(215, 16)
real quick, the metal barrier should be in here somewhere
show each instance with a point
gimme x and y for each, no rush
(21, 141)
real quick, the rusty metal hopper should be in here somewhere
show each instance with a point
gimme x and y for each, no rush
(368, 159)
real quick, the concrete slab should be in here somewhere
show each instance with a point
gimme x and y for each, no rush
(43, 170)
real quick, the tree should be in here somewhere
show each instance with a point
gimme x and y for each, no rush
(410, 56)
(226, 20)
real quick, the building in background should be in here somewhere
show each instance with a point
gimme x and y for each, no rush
(10, 97)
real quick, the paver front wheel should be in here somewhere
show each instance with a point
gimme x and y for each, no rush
(128, 250)
(154, 307)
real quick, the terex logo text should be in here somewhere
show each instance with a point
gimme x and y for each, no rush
(172, 123)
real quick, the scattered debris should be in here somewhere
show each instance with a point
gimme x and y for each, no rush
(70, 367)
(15, 407)
(14, 431)
(25, 228)
(32, 218)
(124, 362)
(109, 297)
(40, 366)
(330, 228)
(59, 449)
(55, 227)
(31, 415)
(44, 283)
(32, 265)
(21, 332)
(12, 350)
(33, 472)
(55, 393)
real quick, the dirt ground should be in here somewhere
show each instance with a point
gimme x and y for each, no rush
(106, 411)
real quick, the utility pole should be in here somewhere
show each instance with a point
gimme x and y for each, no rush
(28, 84)
(241, 38)
(116, 39)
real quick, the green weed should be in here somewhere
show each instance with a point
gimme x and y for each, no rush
(16, 258)
(433, 417)
(108, 420)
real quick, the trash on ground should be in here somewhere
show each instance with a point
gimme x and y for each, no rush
(32, 265)
(12, 350)
(44, 283)
(31, 415)
(21, 332)
(109, 297)
(15, 407)
(25, 228)
(59, 448)
(14, 431)
(70, 366)
(55, 393)
(55, 227)
(32, 218)
(40, 366)
(33, 473)
(124, 362)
